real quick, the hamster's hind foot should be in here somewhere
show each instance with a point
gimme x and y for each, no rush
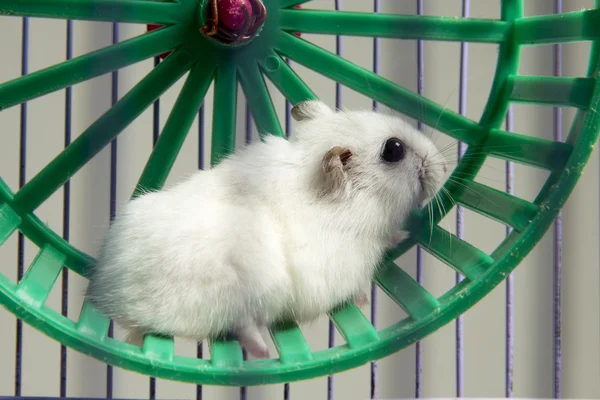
(135, 337)
(250, 338)
(361, 300)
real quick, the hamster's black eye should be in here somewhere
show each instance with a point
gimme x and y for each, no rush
(393, 151)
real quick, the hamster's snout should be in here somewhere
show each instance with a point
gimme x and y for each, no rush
(431, 170)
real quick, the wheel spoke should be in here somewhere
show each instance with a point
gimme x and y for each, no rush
(380, 89)
(395, 26)
(259, 100)
(176, 128)
(100, 133)
(286, 80)
(136, 11)
(224, 113)
(89, 66)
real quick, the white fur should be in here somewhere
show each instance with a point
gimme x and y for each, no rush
(254, 240)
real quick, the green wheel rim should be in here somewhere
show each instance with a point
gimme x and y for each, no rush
(263, 59)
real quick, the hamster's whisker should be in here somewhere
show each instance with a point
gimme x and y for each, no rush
(485, 149)
(450, 197)
(458, 130)
(430, 214)
(465, 187)
(466, 174)
(480, 153)
(466, 162)
(442, 208)
(449, 145)
(443, 110)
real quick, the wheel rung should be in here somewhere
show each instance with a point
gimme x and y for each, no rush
(354, 326)
(406, 292)
(9, 222)
(39, 279)
(157, 347)
(291, 344)
(552, 90)
(92, 323)
(226, 354)
(458, 254)
(558, 28)
(500, 206)
(536, 152)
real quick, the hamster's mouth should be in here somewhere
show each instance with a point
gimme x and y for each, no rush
(429, 187)
(422, 175)
(423, 187)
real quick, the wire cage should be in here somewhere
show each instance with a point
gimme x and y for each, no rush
(512, 343)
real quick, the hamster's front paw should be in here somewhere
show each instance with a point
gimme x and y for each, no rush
(399, 237)
(361, 300)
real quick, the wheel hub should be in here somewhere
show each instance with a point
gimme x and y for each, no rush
(232, 22)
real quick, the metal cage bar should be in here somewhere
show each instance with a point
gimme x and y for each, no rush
(22, 180)
(420, 254)
(155, 134)
(376, 59)
(201, 138)
(66, 212)
(557, 136)
(338, 104)
(460, 225)
(510, 287)
(113, 189)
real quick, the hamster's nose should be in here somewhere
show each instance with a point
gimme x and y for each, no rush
(421, 168)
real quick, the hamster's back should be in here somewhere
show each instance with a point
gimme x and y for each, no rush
(172, 253)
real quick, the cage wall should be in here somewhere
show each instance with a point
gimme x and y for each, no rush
(515, 342)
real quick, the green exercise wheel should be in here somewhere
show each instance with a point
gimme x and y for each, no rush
(255, 50)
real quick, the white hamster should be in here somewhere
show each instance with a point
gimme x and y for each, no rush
(279, 230)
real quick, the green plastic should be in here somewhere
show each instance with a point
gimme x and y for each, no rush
(264, 58)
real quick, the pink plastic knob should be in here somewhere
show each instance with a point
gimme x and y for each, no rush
(231, 13)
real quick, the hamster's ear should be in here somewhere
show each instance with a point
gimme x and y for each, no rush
(337, 159)
(334, 180)
(310, 109)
